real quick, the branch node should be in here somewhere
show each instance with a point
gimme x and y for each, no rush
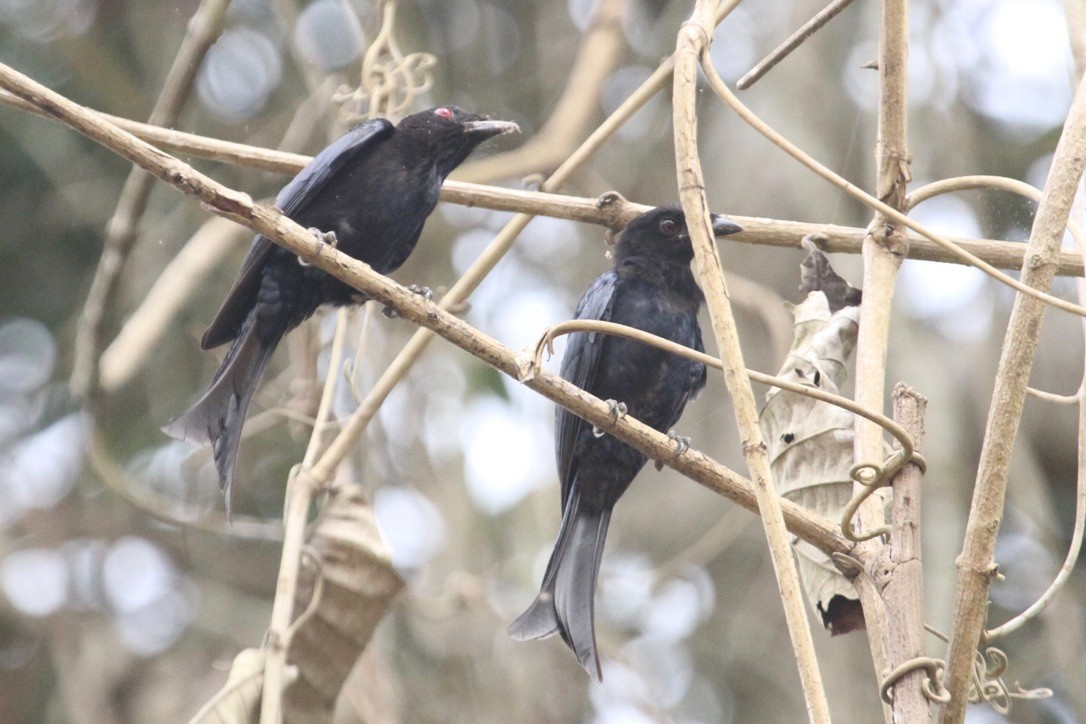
(848, 565)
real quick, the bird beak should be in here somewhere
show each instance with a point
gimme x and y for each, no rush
(722, 225)
(490, 128)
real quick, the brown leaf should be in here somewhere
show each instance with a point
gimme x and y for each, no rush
(816, 274)
(350, 566)
(810, 445)
(239, 699)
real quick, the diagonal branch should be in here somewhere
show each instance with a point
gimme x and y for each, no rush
(573, 112)
(693, 41)
(976, 565)
(794, 40)
(269, 221)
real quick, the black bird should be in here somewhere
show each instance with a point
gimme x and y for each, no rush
(651, 287)
(368, 193)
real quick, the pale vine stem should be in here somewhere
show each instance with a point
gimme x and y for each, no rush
(1019, 187)
(814, 392)
(883, 251)
(952, 248)
(300, 489)
(122, 229)
(693, 41)
(976, 566)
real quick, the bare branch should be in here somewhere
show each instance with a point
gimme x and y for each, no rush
(721, 89)
(794, 40)
(270, 222)
(883, 251)
(613, 214)
(904, 592)
(573, 112)
(693, 42)
(976, 566)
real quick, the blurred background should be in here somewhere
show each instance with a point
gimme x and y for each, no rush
(108, 613)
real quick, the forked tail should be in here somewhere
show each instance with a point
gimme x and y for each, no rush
(566, 601)
(218, 416)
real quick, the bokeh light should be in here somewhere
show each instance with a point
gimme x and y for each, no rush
(948, 295)
(328, 34)
(34, 580)
(239, 73)
(410, 524)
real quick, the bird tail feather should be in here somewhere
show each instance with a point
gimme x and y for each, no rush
(566, 602)
(218, 416)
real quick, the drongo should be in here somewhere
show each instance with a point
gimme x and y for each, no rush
(652, 288)
(369, 194)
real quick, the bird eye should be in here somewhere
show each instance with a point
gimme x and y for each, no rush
(669, 226)
(443, 112)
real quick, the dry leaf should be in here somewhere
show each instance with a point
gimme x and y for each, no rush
(816, 274)
(356, 585)
(239, 698)
(811, 446)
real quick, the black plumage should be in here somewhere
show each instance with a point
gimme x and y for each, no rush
(651, 287)
(369, 193)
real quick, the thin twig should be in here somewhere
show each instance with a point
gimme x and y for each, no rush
(600, 53)
(300, 490)
(121, 231)
(594, 325)
(796, 39)
(1068, 567)
(692, 43)
(976, 566)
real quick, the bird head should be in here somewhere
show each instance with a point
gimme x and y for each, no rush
(453, 133)
(662, 233)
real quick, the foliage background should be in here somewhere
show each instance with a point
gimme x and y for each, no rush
(109, 615)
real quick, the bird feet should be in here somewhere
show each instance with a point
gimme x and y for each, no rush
(324, 237)
(424, 292)
(618, 411)
(682, 444)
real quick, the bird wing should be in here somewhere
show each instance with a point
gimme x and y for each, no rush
(695, 382)
(579, 366)
(294, 196)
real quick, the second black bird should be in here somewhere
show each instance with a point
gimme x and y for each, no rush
(369, 193)
(651, 287)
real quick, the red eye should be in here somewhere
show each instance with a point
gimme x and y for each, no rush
(443, 113)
